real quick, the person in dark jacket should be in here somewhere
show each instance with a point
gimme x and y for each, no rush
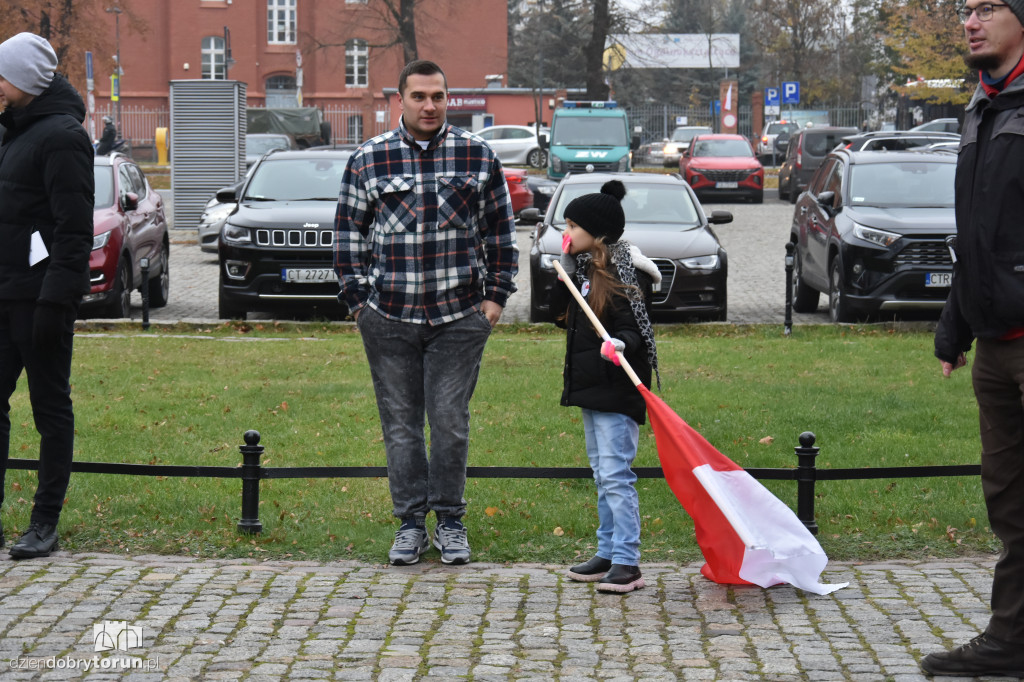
(46, 231)
(107, 139)
(615, 280)
(985, 307)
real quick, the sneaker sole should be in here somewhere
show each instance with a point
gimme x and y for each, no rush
(628, 587)
(584, 578)
(402, 561)
(449, 561)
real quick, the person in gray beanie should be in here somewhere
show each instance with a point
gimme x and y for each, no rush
(985, 308)
(46, 236)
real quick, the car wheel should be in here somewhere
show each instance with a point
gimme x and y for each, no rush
(723, 314)
(537, 158)
(757, 197)
(805, 299)
(160, 286)
(838, 308)
(783, 195)
(120, 305)
(227, 310)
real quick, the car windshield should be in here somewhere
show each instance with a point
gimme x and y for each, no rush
(590, 132)
(104, 186)
(297, 179)
(258, 146)
(687, 134)
(780, 127)
(722, 148)
(917, 184)
(644, 203)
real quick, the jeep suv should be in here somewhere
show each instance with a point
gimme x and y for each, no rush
(276, 249)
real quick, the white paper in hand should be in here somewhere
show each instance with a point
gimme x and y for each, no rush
(37, 249)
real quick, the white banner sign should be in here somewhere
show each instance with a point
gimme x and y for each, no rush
(672, 51)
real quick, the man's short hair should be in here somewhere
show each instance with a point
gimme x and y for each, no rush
(420, 67)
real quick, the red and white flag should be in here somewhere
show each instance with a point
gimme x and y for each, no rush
(747, 535)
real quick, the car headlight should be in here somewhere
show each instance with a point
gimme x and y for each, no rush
(669, 149)
(546, 189)
(556, 164)
(233, 234)
(100, 240)
(701, 262)
(624, 163)
(875, 236)
(216, 214)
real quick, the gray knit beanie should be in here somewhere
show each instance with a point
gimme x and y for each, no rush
(1017, 7)
(27, 62)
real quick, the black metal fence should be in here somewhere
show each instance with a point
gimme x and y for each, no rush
(251, 472)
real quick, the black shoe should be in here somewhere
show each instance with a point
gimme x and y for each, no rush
(621, 578)
(38, 541)
(589, 571)
(983, 655)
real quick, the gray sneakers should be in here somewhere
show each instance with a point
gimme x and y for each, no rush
(450, 538)
(410, 541)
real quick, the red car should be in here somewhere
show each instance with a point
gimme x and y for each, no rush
(723, 165)
(128, 225)
(519, 192)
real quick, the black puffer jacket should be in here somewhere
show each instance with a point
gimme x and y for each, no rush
(46, 185)
(590, 381)
(987, 297)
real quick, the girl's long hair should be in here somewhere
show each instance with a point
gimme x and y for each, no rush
(603, 284)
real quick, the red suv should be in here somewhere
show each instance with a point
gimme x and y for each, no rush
(723, 165)
(128, 225)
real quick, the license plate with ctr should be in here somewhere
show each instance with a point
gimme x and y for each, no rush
(938, 279)
(726, 185)
(307, 274)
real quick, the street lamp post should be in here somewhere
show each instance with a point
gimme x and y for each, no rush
(116, 11)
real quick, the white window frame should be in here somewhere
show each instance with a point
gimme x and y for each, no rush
(214, 59)
(357, 63)
(281, 21)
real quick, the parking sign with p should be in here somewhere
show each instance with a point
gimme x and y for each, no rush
(791, 92)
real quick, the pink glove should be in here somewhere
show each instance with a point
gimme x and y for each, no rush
(609, 349)
(566, 243)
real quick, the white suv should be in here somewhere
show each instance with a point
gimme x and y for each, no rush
(766, 143)
(680, 142)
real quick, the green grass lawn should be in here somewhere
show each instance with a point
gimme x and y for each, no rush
(874, 396)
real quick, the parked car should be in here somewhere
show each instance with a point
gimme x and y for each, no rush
(651, 153)
(723, 165)
(870, 232)
(805, 151)
(258, 144)
(676, 145)
(516, 145)
(766, 143)
(666, 222)
(129, 224)
(276, 249)
(542, 187)
(939, 125)
(518, 191)
(895, 140)
(214, 214)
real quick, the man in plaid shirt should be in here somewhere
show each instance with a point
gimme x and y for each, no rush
(425, 251)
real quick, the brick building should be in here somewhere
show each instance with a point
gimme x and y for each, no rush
(321, 53)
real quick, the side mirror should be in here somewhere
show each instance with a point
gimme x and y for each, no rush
(530, 215)
(542, 140)
(228, 195)
(720, 217)
(130, 201)
(827, 201)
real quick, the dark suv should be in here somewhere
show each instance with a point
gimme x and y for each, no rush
(277, 247)
(805, 152)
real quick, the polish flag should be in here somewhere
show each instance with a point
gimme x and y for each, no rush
(747, 535)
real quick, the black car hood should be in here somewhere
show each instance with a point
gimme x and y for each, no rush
(285, 214)
(906, 220)
(654, 241)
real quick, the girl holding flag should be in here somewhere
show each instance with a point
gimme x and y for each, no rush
(615, 279)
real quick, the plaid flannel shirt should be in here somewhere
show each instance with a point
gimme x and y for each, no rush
(425, 235)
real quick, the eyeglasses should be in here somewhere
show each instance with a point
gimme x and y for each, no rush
(984, 12)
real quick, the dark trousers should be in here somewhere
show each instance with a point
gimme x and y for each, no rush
(998, 375)
(49, 386)
(427, 371)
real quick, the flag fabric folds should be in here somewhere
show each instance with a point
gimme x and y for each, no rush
(747, 535)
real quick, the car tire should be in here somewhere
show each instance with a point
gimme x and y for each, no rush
(228, 311)
(121, 293)
(723, 314)
(537, 158)
(757, 197)
(838, 308)
(536, 314)
(783, 194)
(161, 292)
(805, 298)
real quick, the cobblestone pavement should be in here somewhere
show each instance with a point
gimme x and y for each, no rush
(755, 242)
(294, 620)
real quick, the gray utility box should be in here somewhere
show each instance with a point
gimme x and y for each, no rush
(208, 127)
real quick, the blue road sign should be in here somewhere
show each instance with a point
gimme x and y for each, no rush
(791, 92)
(88, 64)
(771, 97)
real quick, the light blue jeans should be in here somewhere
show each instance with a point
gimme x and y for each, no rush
(612, 440)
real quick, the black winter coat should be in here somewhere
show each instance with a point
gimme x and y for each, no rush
(590, 381)
(46, 185)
